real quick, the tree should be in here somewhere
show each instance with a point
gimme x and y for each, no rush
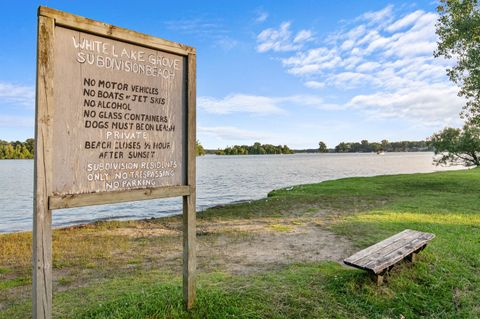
(25, 153)
(342, 147)
(458, 29)
(365, 146)
(255, 149)
(30, 145)
(385, 143)
(457, 146)
(199, 149)
(322, 147)
(376, 147)
(9, 152)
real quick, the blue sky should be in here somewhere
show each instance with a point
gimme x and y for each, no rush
(280, 72)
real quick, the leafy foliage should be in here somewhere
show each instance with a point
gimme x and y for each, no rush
(458, 29)
(457, 146)
(199, 149)
(17, 149)
(366, 147)
(255, 149)
(322, 147)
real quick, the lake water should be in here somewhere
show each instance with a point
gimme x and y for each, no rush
(220, 180)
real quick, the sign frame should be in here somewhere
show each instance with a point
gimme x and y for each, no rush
(45, 201)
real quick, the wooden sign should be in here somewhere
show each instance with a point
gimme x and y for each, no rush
(115, 122)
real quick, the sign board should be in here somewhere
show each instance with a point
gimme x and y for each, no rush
(119, 121)
(115, 122)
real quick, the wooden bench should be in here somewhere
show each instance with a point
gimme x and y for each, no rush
(380, 258)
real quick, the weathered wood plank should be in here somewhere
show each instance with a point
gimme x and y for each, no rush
(403, 248)
(42, 216)
(386, 253)
(189, 251)
(385, 250)
(46, 198)
(396, 256)
(189, 202)
(79, 200)
(371, 249)
(77, 167)
(99, 28)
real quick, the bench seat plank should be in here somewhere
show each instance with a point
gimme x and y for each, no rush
(388, 246)
(369, 250)
(388, 252)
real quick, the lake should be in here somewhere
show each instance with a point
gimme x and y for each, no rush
(220, 180)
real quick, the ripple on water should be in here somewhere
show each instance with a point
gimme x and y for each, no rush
(220, 180)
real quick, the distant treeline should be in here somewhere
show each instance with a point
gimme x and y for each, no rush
(17, 149)
(384, 146)
(366, 147)
(255, 149)
(25, 150)
(312, 150)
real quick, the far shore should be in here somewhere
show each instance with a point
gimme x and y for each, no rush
(295, 152)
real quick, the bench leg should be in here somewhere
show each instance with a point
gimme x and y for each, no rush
(379, 279)
(413, 256)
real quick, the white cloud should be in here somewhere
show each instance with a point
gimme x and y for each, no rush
(312, 61)
(197, 26)
(352, 79)
(434, 105)
(348, 44)
(382, 15)
(260, 105)
(368, 66)
(388, 59)
(368, 38)
(240, 103)
(356, 32)
(7, 121)
(301, 100)
(369, 50)
(302, 36)
(351, 62)
(226, 43)
(211, 30)
(18, 94)
(314, 84)
(231, 133)
(282, 39)
(262, 16)
(406, 21)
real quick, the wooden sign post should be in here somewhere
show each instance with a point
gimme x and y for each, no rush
(115, 122)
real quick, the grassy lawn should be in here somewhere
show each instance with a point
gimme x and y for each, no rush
(103, 271)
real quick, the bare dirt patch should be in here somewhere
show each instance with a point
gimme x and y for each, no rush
(245, 245)
(256, 245)
(236, 246)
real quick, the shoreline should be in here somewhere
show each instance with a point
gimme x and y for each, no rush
(214, 206)
(121, 219)
(253, 255)
(256, 155)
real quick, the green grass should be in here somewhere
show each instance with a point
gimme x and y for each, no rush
(4, 271)
(443, 284)
(281, 228)
(12, 283)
